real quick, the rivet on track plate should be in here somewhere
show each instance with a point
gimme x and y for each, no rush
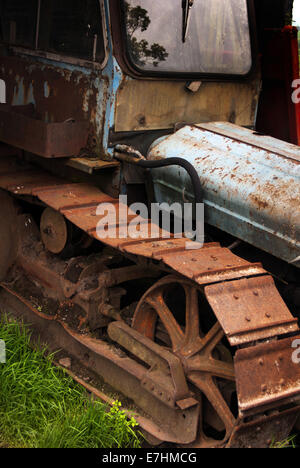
(268, 315)
(248, 319)
(261, 362)
(236, 297)
(264, 388)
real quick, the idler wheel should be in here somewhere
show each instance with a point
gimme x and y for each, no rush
(54, 231)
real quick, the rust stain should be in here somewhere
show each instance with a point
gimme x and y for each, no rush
(58, 94)
(261, 204)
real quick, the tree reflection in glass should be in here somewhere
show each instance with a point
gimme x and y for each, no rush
(142, 52)
(199, 36)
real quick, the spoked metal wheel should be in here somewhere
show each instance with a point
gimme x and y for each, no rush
(207, 362)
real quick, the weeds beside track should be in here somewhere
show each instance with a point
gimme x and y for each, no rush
(42, 407)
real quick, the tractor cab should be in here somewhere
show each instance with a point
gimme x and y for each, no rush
(92, 74)
(162, 101)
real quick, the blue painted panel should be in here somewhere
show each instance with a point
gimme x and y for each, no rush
(251, 183)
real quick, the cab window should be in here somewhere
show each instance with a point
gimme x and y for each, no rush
(18, 21)
(72, 28)
(182, 36)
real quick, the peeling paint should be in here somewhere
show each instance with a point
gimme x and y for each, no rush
(46, 89)
(257, 202)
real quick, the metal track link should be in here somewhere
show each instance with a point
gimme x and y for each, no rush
(242, 295)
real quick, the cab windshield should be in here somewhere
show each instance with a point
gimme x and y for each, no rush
(205, 36)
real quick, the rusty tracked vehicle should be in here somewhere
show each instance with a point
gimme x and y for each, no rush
(201, 340)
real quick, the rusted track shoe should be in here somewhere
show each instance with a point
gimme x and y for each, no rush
(206, 354)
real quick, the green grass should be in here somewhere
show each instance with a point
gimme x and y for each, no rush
(42, 407)
(290, 442)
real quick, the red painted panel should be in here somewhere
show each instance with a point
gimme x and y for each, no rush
(278, 115)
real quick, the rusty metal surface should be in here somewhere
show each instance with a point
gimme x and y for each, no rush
(250, 309)
(21, 178)
(164, 366)
(250, 183)
(211, 264)
(266, 375)
(84, 283)
(100, 100)
(54, 231)
(265, 431)
(242, 135)
(91, 165)
(196, 350)
(208, 266)
(72, 196)
(58, 93)
(50, 140)
(123, 373)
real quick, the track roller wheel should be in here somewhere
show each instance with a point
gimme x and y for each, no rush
(54, 231)
(60, 237)
(206, 360)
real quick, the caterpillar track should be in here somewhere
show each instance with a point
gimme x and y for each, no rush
(205, 353)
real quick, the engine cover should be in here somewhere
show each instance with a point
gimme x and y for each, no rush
(251, 183)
